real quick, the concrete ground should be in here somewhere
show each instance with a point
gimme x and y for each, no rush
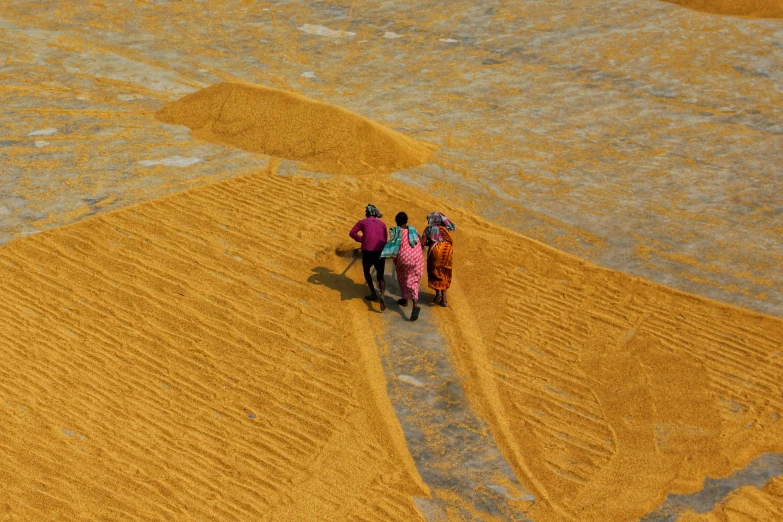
(453, 448)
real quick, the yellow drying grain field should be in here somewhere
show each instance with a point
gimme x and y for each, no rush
(183, 334)
(170, 359)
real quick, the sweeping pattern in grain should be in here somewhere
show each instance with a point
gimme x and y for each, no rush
(172, 358)
(615, 390)
(207, 341)
(748, 503)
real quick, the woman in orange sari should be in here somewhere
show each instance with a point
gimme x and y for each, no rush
(437, 236)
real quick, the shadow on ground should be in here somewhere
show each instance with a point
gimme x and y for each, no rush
(348, 288)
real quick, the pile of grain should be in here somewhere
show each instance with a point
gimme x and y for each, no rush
(288, 125)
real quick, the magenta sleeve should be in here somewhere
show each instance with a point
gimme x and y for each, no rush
(355, 233)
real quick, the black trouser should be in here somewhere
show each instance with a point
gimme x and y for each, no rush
(373, 259)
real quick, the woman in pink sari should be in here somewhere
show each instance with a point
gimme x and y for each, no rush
(405, 248)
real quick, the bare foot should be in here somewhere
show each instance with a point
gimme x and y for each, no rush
(438, 299)
(383, 304)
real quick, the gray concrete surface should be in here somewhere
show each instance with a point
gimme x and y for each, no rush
(453, 449)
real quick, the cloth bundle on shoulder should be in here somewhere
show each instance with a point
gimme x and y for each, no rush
(392, 248)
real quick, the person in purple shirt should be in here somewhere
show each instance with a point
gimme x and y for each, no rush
(372, 234)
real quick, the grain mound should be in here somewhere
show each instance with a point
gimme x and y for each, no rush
(288, 125)
(749, 8)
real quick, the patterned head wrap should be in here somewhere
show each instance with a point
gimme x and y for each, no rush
(434, 222)
(372, 210)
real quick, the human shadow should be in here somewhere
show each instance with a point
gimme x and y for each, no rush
(348, 288)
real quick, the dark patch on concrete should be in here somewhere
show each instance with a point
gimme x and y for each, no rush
(748, 71)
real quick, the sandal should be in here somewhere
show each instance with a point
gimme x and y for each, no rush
(415, 313)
